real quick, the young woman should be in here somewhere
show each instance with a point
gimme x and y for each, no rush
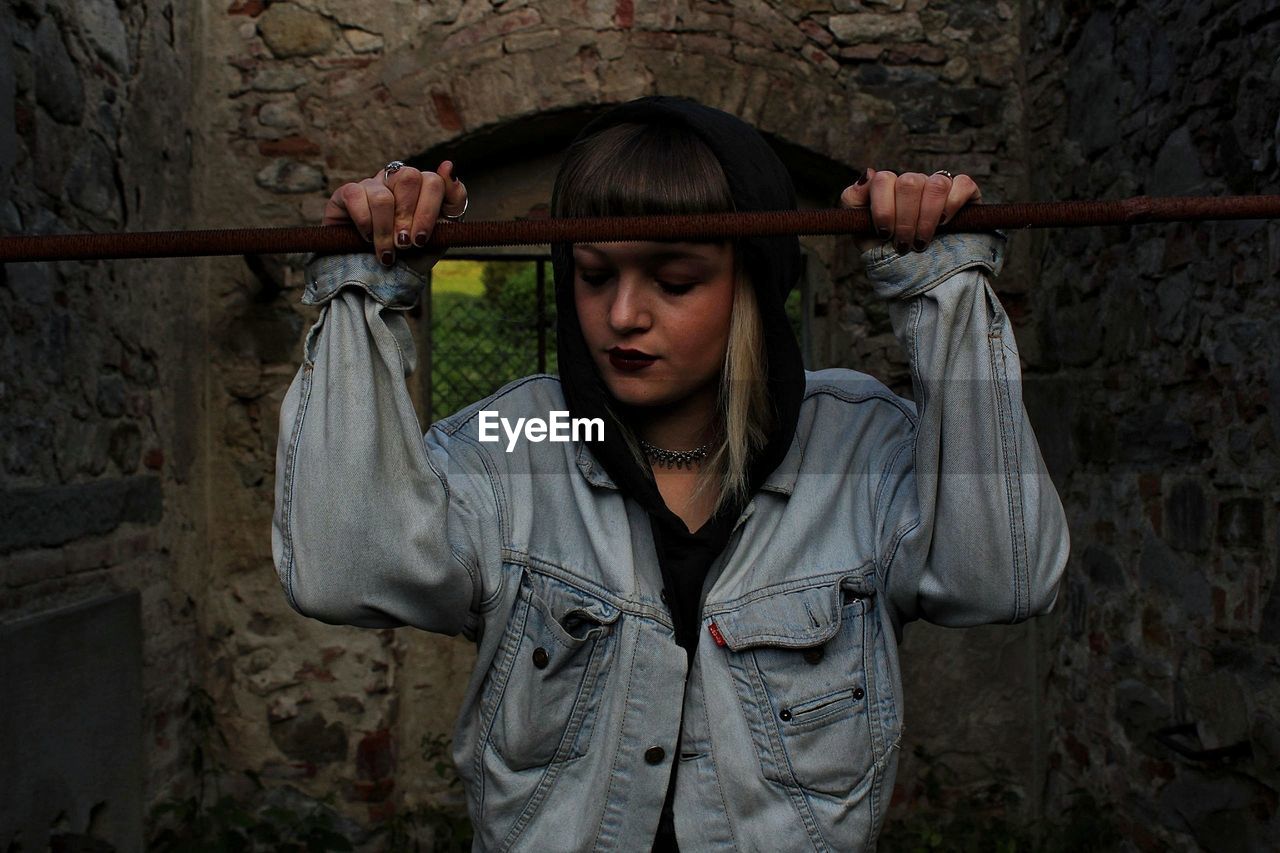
(688, 629)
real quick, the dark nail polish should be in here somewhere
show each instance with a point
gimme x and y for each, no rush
(918, 245)
(884, 233)
(387, 259)
(455, 178)
(900, 248)
(421, 239)
(402, 239)
(863, 179)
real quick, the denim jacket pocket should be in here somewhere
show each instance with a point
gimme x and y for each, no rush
(551, 673)
(799, 662)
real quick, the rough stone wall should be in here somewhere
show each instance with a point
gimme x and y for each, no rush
(101, 397)
(1151, 368)
(302, 96)
(1158, 375)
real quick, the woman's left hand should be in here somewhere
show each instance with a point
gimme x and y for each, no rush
(908, 208)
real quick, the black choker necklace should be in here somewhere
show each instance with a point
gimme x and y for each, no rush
(673, 458)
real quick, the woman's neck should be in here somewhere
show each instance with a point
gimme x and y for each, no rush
(681, 426)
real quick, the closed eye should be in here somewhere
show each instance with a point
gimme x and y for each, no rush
(675, 289)
(595, 279)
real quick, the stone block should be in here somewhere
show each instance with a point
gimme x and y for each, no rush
(111, 396)
(58, 86)
(876, 28)
(103, 28)
(54, 515)
(125, 444)
(1093, 436)
(310, 737)
(1177, 170)
(1141, 711)
(1161, 569)
(1071, 329)
(861, 52)
(1093, 87)
(290, 176)
(533, 40)
(1186, 514)
(362, 42)
(280, 114)
(816, 32)
(1173, 296)
(1102, 567)
(279, 78)
(91, 180)
(289, 30)
(926, 54)
(1241, 523)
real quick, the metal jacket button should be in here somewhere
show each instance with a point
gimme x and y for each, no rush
(784, 714)
(540, 657)
(857, 693)
(655, 754)
(813, 655)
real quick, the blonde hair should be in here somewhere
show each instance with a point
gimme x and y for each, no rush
(746, 417)
(634, 169)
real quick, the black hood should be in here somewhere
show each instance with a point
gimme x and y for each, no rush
(757, 181)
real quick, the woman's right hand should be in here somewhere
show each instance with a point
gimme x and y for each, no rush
(400, 211)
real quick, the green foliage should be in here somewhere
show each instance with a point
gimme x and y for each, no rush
(511, 288)
(481, 342)
(230, 826)
(449, 827)
(452, 276)
(213, 822)
(981, 820)
(794, 307)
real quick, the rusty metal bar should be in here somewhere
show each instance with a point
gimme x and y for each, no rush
(340, 239)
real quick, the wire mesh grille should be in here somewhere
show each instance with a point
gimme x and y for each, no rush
(483, 337)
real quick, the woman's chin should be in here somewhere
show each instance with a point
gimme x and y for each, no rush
(644, 394)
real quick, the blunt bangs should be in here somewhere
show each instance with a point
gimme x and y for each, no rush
(640, 170)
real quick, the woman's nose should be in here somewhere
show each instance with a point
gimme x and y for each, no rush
(629, 311)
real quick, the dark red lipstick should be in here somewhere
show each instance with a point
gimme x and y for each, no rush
(630, 359)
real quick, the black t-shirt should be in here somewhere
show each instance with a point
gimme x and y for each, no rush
(684, 559)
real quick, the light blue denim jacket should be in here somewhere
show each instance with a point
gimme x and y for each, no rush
(883, 511)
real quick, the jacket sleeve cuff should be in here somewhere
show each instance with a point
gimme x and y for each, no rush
(397, 287)
(895, 276)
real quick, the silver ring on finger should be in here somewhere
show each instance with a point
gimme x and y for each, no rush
(457, 217)
(391, 168)
(944, 172)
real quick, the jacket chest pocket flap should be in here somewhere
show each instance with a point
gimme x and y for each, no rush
(798, 660)
(554, 663)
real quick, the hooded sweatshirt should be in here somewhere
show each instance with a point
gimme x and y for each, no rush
(757, 181)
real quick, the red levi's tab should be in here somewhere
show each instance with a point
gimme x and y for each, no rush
(715, 634)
